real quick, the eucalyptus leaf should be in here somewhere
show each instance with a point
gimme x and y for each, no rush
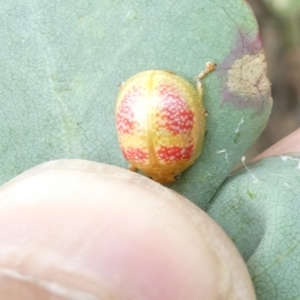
(62, 63)
(259, 209)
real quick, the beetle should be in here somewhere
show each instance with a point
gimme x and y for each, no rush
(160, 120)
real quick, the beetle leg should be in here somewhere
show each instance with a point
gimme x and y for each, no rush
(120, 85)
(132, 168)
(209, 67)
(177, 177)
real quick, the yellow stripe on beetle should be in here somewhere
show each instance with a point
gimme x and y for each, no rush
(161, 122)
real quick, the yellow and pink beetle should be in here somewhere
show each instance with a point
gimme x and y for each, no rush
(160, 121)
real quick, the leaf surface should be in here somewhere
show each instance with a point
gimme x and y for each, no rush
(62, 63)
(259, 208)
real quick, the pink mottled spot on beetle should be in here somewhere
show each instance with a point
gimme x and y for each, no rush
(125, 115)
(175, 153)
(135, 154)
(175, 114)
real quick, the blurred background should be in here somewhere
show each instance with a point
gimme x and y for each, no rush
(279, 24)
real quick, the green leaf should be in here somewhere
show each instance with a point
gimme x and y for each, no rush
(62, 63)
(259, 209)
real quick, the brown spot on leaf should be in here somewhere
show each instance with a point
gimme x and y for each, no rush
(247, 77)
(244, 75)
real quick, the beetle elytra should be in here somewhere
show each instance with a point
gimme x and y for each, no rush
(160, 122)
